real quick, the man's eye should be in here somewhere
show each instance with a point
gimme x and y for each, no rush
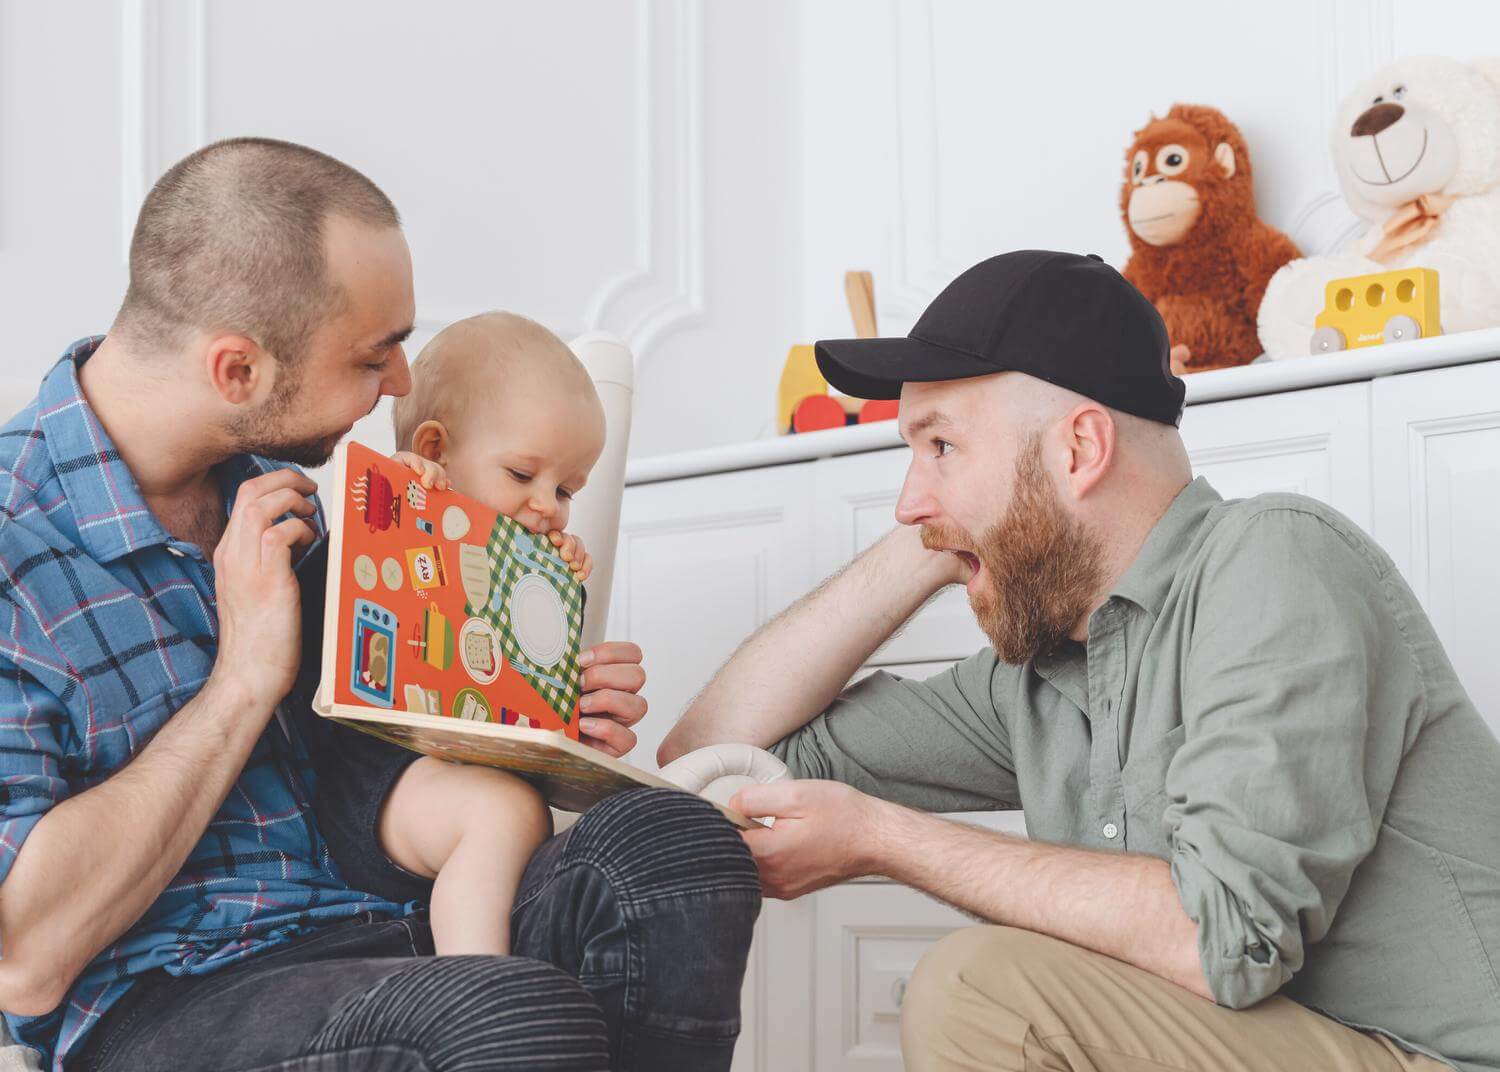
(943, 446)
(524, 478)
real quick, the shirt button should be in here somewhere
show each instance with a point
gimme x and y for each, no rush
(175, 552)
(1111, 831)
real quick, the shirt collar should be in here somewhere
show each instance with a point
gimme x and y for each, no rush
(111, 513)
(1148, 578)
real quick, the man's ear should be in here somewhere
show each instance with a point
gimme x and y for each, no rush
(239, 369)
(1090, 434)
(431, 441)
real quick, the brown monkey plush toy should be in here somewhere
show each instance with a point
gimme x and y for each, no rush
(1198, 250)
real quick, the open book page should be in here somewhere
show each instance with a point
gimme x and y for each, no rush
(452, 631)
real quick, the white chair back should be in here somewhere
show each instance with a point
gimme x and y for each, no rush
(595, 517)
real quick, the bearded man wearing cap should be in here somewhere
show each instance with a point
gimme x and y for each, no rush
(1264, 814)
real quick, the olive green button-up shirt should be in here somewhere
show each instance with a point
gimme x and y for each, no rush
(1263, 703)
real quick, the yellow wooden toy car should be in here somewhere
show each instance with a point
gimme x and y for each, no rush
(1367, 310)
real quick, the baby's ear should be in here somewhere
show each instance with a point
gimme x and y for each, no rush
(431, 441)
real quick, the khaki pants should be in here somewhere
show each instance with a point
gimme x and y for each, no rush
(998, 998)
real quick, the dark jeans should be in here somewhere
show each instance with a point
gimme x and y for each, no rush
(631, 932)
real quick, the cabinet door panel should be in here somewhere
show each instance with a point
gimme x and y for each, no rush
(869, 939)
(1315, 443)
(702, 564)
(1437, 509)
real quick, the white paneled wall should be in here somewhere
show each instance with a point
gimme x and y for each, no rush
(695, 176)
(938, 132)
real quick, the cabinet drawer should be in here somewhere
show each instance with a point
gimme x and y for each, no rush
(869, 938)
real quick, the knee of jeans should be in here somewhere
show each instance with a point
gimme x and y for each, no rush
(655, 843)
(449, 1012)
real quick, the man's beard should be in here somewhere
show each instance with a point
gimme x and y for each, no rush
(262, 433)
(1044, 568)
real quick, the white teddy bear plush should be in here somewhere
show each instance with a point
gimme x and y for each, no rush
(1417, 151)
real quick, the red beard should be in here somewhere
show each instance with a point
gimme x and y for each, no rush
(1043, 567)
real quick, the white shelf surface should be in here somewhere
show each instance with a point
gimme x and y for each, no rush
(1262, 378)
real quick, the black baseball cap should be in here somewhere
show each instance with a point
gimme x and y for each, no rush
(1069, 319)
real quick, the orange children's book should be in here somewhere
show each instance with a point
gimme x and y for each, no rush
(452, 630)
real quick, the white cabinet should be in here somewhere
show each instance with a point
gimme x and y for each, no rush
(868, 939)
(1437, 510)
(1315, 443)
(702, 564)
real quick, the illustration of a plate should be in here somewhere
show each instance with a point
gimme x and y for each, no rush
(479, 651)
(538, 620)
(455, 523)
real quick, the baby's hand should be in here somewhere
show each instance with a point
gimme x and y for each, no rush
(571, 549)
(430, 473)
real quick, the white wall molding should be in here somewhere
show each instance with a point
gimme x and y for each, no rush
(920, 270)
(663, 291)
(164, 116)
(1360, 36)
(163, 95)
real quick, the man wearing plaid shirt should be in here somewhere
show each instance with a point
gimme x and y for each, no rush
(167, 900)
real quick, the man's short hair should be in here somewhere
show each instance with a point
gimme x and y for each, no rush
(231, 239)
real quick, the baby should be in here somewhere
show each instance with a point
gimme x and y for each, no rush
(501, 410)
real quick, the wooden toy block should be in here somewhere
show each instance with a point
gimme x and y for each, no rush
(799, 378)
(1368, 310)
(803, 400)
(816, 413)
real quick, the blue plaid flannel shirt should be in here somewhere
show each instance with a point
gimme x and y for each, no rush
(110, 626)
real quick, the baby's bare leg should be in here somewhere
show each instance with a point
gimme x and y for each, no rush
(473, 829)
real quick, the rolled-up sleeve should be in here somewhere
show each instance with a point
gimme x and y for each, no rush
(1298, 694)
(938, 744)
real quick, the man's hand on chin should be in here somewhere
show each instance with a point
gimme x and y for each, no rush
(825, 833)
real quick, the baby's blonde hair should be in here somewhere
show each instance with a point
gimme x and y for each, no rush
(471, 361)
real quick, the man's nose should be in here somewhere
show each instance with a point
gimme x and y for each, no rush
(398, 380)
(1373, 120)
(914, 505)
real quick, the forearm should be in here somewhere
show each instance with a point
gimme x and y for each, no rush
(1124, 906)
(97, 861)
(794, 666)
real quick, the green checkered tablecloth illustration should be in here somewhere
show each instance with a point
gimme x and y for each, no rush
(515, 553)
